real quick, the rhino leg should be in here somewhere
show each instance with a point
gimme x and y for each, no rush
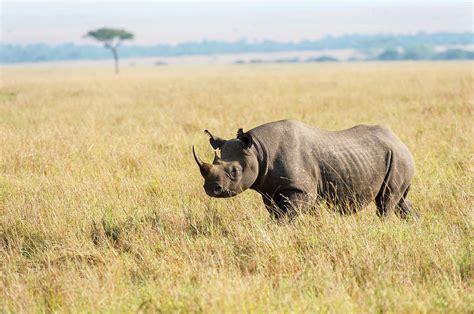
(286, 204)
(391, 200)
(404, 208)
(385, 204)
(272, 207)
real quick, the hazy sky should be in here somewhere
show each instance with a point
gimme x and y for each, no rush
(172, 22)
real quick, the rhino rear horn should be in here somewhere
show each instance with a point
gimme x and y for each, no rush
(216, 142)
(216, 157)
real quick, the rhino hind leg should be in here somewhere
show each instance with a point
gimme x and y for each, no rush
(404, 208)
(390, 200)
(385, 204)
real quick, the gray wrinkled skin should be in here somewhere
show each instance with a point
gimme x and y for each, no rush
(289, 162)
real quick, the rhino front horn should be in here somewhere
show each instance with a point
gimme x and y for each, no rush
(205, 168)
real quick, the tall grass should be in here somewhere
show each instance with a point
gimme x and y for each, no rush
(102, 206)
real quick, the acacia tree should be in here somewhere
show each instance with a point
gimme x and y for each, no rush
(112, 39)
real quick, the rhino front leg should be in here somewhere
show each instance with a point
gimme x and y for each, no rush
(286, 204)
(273, 208)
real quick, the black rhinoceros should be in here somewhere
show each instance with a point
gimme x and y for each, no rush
(287, 162)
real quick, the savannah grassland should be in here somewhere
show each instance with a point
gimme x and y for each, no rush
(102, 206)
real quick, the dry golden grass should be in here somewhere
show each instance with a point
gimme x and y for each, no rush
(102, 206)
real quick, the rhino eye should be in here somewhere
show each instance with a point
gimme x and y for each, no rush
(234, 172)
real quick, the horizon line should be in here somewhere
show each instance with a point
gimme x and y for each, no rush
(247, 40)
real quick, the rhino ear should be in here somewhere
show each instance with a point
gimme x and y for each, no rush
(216, 142)
(245, 138)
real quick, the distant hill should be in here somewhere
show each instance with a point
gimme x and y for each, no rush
(375, 47)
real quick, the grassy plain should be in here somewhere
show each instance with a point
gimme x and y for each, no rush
(102, 206)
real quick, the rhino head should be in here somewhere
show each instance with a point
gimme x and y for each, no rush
(234, 171)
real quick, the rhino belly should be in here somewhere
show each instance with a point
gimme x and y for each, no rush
(352, 179)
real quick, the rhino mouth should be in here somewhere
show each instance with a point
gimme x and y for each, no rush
(223, 195)
(219, 192)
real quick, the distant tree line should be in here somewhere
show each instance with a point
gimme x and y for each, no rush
(424, 52)
(290, 60)
(394, 47)
(390, 54)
